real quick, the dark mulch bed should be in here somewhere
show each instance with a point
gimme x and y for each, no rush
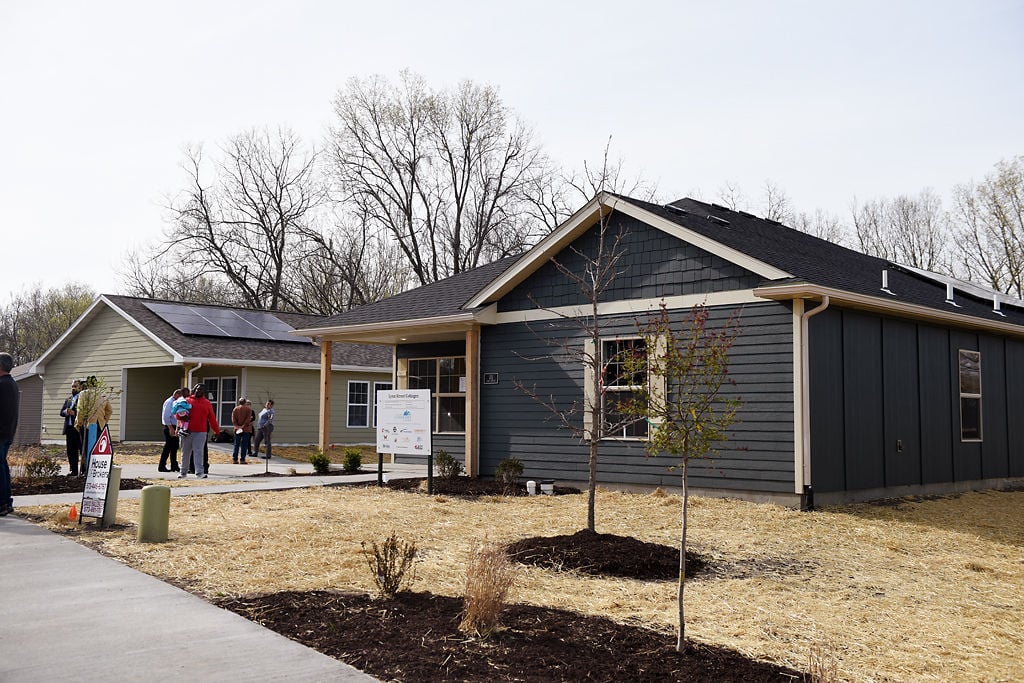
(467, 487)
(605, 555)
(415, 637)
(40, 487)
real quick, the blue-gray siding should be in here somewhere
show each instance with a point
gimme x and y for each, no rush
(885, 404)
(653, 264)
(758, 456)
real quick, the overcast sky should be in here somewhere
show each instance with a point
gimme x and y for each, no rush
(828, 100)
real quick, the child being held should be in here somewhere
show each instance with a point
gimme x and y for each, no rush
(180, 409)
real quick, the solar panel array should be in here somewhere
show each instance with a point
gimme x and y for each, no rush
(221, 322)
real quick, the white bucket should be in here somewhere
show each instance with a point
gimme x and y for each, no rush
(531, 487)
(547, 488)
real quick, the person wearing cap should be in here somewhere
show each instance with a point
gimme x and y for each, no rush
(201, 419)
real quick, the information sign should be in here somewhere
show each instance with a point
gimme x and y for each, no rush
(97, 478)
(403, 422)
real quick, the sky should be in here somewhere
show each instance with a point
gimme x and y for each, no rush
(829, 100)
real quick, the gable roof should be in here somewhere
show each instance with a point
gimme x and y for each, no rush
(793, 264)
(189, 348)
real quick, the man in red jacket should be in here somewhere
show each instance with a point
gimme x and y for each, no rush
(201, 419)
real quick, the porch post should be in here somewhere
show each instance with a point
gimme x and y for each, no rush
(325, 393)
(473, 401)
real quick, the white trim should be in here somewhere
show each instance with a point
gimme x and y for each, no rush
(121, 428)
(236, 362)
(349, 404)
(872, 303)
(455, 322)
(634, 306)
(591, 213)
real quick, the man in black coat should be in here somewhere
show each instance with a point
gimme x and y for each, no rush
(9, 398)
(72, 436)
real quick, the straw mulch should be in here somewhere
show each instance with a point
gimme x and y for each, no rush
(923, 590)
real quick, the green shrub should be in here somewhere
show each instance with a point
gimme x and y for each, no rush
(447, 466)
(390, 563)
(42, 466)
(321, 463)
(353, 460)
(509, 471)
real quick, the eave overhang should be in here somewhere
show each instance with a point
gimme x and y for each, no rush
(416, 331)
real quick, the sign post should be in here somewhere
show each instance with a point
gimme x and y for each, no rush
(404, 427)
(97, 479)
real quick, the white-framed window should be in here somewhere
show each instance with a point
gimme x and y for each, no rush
(619, 384)
(358, 403)
(223, 395)
(446, 379)
(378, 386)
(970, 395)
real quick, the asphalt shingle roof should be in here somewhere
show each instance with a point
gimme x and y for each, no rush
(301, 351)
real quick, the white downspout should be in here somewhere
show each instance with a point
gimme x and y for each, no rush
(188, 383)
(805, 402)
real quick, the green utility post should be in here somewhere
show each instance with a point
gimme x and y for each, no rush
(154, 514)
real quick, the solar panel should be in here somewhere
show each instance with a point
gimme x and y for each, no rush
(222, 322)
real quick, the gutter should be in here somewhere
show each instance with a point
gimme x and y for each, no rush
(807, 495)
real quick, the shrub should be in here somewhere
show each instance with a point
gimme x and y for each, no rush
(321, 463)
(389, 563)
(489, 577)
(42, 466)
(509, 471)
(353, 460)
(447, 466)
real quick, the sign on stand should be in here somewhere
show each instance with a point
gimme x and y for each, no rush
(404, 426)
(97, 478)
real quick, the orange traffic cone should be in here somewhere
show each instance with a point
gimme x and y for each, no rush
(73, 514)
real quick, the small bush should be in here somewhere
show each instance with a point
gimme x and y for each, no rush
(447, 466)
(42, 466)
(353, 460)
(321, 463)
(389, 564)
(489, 578)
(509, 471)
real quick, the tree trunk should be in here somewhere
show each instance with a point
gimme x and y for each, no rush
(592, 487)
(681, 640)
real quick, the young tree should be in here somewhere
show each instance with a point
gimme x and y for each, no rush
(686, 366)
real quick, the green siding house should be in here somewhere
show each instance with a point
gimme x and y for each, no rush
(142, 349)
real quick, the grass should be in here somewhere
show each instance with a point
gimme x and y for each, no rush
(923, 590)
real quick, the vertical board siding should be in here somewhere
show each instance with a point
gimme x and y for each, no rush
(758, 456)
(653, 264)
(900, 382)
(102, 347)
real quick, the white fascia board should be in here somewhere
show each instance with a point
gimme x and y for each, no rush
(731, 255)
(542, 251)
(283, 365)
(878, 305)
(357, 333)
(633, 306)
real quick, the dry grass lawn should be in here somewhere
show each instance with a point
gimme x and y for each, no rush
(926, 590)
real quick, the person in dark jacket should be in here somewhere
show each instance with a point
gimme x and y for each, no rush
(9, 398)
(72, 437)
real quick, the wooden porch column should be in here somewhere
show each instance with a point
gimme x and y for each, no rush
(325, 394)
(473, 402)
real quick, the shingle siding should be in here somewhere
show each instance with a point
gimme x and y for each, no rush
(653, 264)
(758, 456)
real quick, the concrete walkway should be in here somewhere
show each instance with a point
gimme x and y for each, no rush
(67, 612)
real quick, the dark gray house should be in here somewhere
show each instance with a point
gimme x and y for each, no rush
(859, 378)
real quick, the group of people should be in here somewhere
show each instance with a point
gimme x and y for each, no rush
(187, 417)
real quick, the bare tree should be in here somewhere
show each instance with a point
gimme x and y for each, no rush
(36, 318)
(446, 174)
(990, 228)
(907, 230)
(821, 224)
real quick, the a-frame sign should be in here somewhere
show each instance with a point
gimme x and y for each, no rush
(97, 479)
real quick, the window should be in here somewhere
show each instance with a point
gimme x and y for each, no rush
(970, 395)
(358, 403)
(446, 380)
(223, 395)
(378, 386)
(620, 384)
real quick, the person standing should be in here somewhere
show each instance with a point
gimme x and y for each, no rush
(264, 428)
(9, 399)
(241, 420)
(72, 437)
(170, 424)
(252, 422)
(201, 419)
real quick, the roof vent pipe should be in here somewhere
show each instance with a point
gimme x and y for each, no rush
(885, 282)
(949, 295)
(995, 306)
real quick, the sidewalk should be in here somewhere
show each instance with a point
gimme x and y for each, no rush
(67, 612)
